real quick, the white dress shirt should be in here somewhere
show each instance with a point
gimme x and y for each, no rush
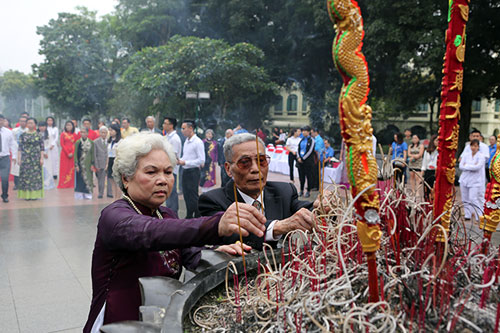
(174, 139)
(269, 231)
(193, 153)
(9, 143)
(473, 173)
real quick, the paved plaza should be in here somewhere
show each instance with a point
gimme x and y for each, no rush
(45, 255)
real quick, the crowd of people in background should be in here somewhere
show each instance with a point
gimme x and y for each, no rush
(38, 157)
(415, 164)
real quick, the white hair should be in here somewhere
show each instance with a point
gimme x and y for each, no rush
(103, 128)
(151, 117)
(236, 140)
(131, 149)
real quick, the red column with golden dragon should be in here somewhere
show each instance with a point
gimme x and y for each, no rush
(489, 221)
(458, 15)
(355, 123)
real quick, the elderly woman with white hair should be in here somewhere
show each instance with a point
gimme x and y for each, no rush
(137, 237)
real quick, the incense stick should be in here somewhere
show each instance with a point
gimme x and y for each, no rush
(239, 228)
(260, 174)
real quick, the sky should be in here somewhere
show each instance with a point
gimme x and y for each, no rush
(18, 21)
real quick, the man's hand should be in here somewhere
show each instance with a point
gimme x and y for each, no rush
(181, 162)
(251, 221)
(234, 249)
(302, 220)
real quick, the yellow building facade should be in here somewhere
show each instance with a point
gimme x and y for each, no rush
(291, 111)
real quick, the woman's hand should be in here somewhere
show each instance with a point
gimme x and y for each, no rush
(234, 249)
(251, 221)
(77, 168)
(70, 155)
(41, 160)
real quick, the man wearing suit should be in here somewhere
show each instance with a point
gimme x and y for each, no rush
(101, 159)
(150, 126)
(282, 209)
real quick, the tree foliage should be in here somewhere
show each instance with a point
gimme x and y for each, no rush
(77, 75)
(231, 74)
(15, 87)
(295, 36)
(143, 23)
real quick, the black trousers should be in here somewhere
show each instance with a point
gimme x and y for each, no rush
(315, 171)
(429, 178)
(291, 161)
(487, 174)
(190, 182)
(305, 171)
(4, 174)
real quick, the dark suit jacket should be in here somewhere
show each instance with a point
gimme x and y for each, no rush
(280, 201)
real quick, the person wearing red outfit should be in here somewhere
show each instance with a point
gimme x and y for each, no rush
(67, 164)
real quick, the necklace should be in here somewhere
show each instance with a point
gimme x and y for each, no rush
(126, 197)
(169, 257)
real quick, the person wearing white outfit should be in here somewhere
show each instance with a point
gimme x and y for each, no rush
(472, 184)
(53, 148)
(483, 149)
(48, 180)
(292, 145)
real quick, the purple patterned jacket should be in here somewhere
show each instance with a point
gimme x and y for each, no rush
(127, 247)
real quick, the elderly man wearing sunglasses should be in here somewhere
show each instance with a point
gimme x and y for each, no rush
(283, 210)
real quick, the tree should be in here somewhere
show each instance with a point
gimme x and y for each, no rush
(143, 23)
(16, 87)
(482, 61)
(231, 74)
(77, 75)
(295, 36)
(404, 46)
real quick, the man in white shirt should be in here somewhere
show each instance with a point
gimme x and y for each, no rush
(192, 160)
(8, 146)
(173, 138)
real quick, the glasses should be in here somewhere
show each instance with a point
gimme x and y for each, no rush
(246, 162)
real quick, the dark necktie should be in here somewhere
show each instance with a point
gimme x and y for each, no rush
(257, 205)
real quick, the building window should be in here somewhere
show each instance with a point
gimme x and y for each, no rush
(304, 105)
(476, 105)
(422, 107)
(291, 105)
(497, 105)
(278, 108)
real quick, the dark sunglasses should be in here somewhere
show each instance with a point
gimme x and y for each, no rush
(246, 162)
